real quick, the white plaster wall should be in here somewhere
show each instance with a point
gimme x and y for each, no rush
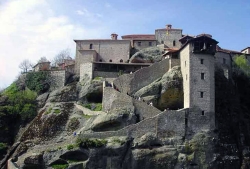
(185, 70)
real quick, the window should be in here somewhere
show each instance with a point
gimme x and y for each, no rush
(224, 61)
(149, 43)
(203, 76)
(139, 43)
(110, 60)
(100, 60)
(91, 46)
(202, 60)
(162, 42)
(174, 43)
(201, 94)
(121, 60)
(202, 112)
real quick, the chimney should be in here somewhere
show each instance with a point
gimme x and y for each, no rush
(114, 36)
(168, 26)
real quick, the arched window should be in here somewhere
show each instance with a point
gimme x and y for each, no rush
(100, 60)
(91, 46)
(110, 60)
(174, 43)
(121, 60)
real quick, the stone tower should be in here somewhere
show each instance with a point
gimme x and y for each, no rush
(197, 67)
(169, 36)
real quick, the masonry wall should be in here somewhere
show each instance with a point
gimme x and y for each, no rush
(133, 82)
(166, 124)
(58, 78)
(114, 99)
(84, 56)
(143, 44)
(206, 85)
(86, 69)
(168, 36)
(107, 49)
(105, 74)
(224, 61)
(185, 70)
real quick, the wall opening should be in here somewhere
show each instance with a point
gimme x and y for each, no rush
(201, 94)
(139, 43)
(202, 76)
(91, 46)
(121, 60)
(162, 42)
(202, 112)
(100, 60)
(224, 61)
(202, 61)
(174, 43)
(110, 60)
(149, 43)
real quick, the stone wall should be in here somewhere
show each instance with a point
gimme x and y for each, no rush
(224, 61)
(58, 78)
(84, 56)
(105, 74)
(168, 36)
(114, 50)
(145, 111)
(137, 44)
(114, 99)
(86, 69)
(133, 82)
(173, 63)
(166, 124)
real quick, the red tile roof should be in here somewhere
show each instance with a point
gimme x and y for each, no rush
(219, 49)
(139, 37)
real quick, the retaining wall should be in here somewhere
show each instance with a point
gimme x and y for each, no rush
(133, 82)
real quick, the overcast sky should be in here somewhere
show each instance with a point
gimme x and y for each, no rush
(31, 29)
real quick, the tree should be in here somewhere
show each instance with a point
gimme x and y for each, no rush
(241, 65)
(43, 59)
(25, 65)
(59, 58)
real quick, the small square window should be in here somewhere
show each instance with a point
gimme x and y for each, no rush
(203, 76)
(139, 43)
(224, 61)
(202, 112)
(202, 60)
(201, 94)
(149, 43)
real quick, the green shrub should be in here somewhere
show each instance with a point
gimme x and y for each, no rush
(48, 111)
(97, 78)
(98, 107)
(3, 146)
(60, 166)
(90, 143)
(70, 147)
(117, 140)
(38, 81)
(88, 106)
(86, 116)
(57, 111)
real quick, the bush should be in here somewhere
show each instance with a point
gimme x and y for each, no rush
(98, 107)
(90, 143)
(38, 81)
(70, 147)
(60, 166)
(3, 146)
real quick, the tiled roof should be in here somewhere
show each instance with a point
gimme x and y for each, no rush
(244, 48)
(219, 49)
(139, 37)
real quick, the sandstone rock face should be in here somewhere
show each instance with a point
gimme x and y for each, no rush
(151, 54)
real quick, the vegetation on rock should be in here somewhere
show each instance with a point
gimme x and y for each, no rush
(38, 81)
(90, 143)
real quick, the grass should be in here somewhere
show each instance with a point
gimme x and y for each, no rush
(117, 140)
(97, 78)
(98, 106)
(60, 166)
(86, 116)
(48, 111)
